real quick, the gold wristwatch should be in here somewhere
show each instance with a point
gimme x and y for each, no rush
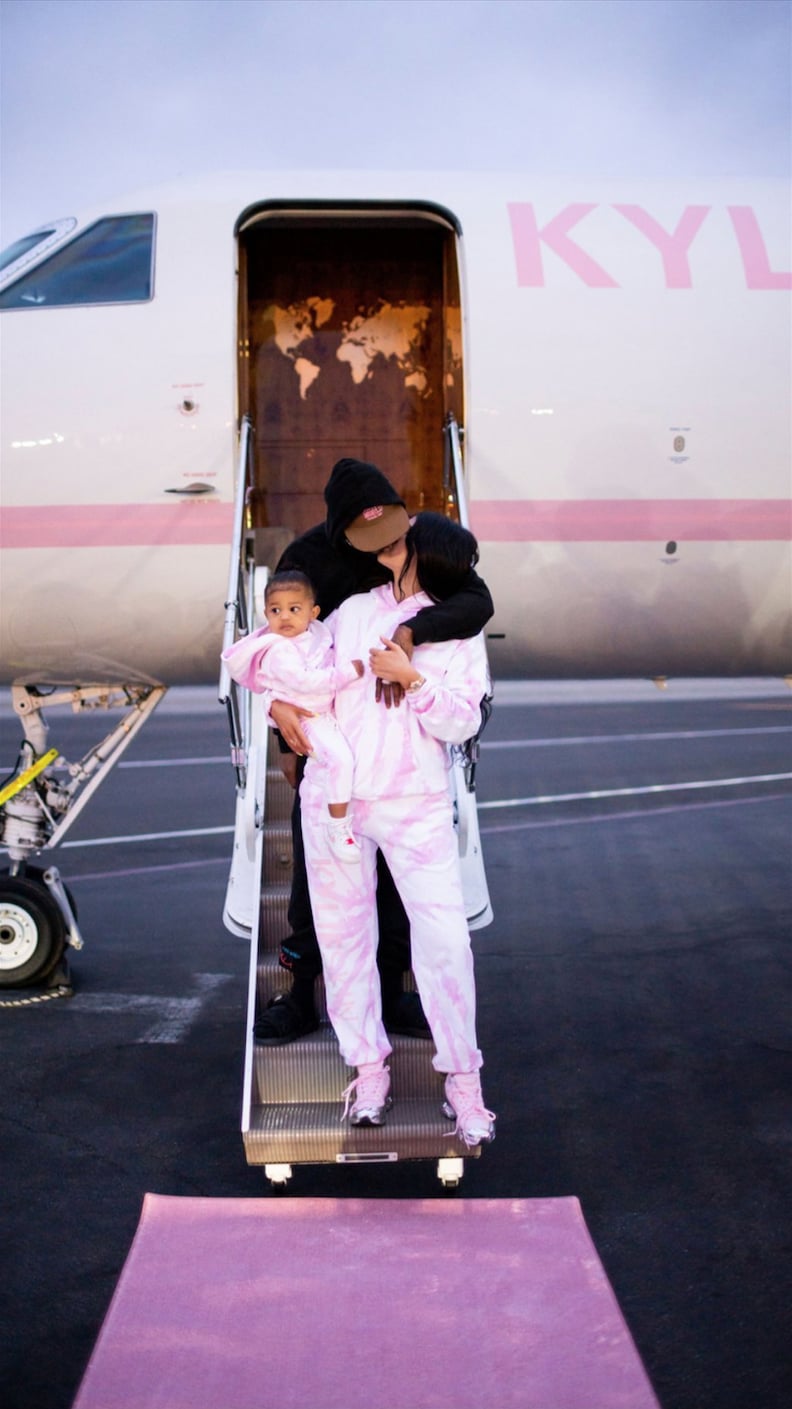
(415, 685)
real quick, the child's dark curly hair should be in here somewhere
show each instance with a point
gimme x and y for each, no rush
(289, 577)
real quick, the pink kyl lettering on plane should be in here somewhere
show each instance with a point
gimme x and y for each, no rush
(758, 274)
(528, 239)
(673, 246)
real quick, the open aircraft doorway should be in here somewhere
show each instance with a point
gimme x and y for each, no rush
(350, 344)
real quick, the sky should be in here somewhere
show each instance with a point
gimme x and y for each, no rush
(98, 97)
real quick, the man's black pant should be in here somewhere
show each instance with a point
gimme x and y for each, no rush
(300, 952)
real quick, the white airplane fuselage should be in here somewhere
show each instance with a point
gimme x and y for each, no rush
(626, 366)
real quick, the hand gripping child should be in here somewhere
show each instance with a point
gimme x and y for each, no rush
(291, 658)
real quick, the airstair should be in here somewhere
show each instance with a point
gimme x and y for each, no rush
(292, 1108)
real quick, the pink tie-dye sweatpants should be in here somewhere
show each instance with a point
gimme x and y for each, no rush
(416, 837)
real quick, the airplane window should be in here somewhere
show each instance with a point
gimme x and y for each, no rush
(14, 252)
(110, 262)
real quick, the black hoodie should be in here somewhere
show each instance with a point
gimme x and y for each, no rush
(354, 485)
(337, 570)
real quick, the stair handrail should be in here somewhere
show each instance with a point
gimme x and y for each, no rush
(236, 605)
(454, 488)
(453, 470)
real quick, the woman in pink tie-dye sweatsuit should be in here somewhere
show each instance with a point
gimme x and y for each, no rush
(401, 804)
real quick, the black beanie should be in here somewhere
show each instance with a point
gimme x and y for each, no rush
(354, 485)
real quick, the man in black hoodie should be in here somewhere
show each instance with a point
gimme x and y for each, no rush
(363, 504)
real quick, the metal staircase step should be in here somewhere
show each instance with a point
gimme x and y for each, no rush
(274, 924)
(313, 1133)
(280, 795)
(277, 863)
(271, 980)
(313, 1070)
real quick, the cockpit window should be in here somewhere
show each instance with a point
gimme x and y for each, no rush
(14, 252)
(110, 262)
(33, 249)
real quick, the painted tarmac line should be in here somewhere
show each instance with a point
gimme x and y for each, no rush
(649, 788)
(173, 1016)
(642, 812)
(631, 738)
(512, 744)
(149, 870)
(596, 795)
(149, 836)
(629, 816)
(177, 762)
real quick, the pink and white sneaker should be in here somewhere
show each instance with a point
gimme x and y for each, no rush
(465, 1104)
(371, 1089)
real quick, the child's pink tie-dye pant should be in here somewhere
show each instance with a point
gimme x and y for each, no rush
(332, 756)
(416, 837)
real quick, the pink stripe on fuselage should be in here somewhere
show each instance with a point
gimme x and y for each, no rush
(630, 520)
(116, 525)
(493, 521)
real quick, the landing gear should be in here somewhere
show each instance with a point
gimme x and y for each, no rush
(33, 928)
(38, 802)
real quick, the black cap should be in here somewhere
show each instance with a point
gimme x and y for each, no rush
(353, 487)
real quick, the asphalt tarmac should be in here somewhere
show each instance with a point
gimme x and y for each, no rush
(634, 1015)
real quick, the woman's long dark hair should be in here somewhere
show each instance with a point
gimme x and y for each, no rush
(443, 552)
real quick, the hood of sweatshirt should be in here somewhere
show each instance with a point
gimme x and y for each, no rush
(354, 485)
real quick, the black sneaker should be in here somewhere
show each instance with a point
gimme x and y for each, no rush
(405, 1017)
(283, 1021)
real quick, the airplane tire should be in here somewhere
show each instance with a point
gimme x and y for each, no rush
(32, 931)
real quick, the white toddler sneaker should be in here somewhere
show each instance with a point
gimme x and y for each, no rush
(341, 841)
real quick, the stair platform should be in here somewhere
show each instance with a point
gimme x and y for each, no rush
(292, 1109)
(314, 1070)
(314, 1133)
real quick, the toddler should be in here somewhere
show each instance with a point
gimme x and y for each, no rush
(291, 659)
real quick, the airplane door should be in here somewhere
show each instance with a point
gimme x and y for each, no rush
(350, 344)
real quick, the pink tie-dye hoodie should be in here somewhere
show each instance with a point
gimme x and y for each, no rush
(296, 669)
(399, 752)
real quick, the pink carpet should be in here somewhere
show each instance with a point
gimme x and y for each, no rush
(360, 1303)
